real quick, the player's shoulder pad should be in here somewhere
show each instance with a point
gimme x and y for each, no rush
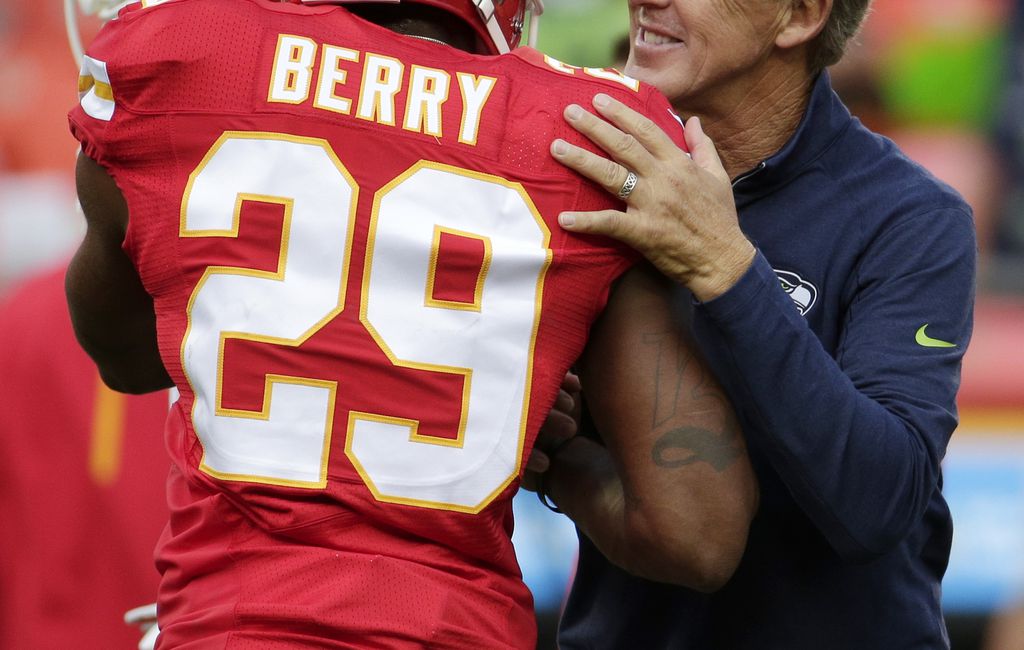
(131, 19)
(143, 5)
(144, 29)
(141, 13)
(132, 51)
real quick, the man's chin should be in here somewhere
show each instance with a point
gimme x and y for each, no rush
(662, 79)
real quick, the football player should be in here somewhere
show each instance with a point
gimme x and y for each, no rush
(337, 235)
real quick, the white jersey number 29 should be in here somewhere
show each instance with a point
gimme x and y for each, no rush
(289, 441)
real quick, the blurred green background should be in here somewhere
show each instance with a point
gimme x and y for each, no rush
(582, 32)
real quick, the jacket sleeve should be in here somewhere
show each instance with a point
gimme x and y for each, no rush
(858, 436)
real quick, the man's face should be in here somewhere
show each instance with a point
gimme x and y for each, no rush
(690, 48)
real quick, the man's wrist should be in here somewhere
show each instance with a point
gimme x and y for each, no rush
(729, 269)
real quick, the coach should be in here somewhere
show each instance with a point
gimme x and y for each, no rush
(833, 285)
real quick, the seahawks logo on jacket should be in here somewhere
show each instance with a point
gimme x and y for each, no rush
(803, 293)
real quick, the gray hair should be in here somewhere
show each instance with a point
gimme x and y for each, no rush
(842, 25)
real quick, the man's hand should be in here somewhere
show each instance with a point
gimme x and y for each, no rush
(681, 215)
(561, 424)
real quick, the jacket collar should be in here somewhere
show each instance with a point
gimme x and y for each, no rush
(825, 119)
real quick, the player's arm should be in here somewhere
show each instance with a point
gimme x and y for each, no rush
(670, 495)
(111, 312)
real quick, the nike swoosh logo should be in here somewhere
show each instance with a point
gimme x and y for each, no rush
(928, 342)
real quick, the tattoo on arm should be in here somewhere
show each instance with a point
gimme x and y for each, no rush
(687, 445)
(668, 375)
(676, 392)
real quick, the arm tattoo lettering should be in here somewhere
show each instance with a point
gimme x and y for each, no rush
(668, 376)
(683, 387)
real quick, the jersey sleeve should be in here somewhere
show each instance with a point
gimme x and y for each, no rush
(126, 76)
(859, 438)
(99, 102)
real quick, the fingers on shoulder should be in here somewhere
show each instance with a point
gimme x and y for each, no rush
(610, 223)
(605, 172)
(641, 135)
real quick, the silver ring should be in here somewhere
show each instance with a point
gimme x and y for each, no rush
(628, 186)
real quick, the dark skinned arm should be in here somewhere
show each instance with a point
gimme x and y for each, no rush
(670, 494)
(111, 312)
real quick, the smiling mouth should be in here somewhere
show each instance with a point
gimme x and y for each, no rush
(650, 38)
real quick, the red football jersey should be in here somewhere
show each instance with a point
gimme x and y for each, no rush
(365, 299)
(82, 475)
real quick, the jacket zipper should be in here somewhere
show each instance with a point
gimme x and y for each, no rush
(756, 170)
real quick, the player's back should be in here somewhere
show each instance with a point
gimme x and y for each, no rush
(364, 297)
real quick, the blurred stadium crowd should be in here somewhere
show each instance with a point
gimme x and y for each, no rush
(81, 469)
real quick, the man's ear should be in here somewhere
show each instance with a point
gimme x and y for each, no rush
(806, 20)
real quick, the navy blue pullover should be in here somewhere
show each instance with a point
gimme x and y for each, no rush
(841, 350)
